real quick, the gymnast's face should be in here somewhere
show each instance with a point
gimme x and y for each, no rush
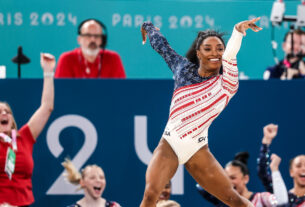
(6, 118)
(93, 182)
(210, 54)
(238, 179)
(297, 171)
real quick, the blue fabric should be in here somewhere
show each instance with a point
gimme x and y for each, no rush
(266, 178)
(185, 72)
(262, 168)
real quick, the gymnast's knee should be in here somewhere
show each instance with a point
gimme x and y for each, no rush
(151, 193)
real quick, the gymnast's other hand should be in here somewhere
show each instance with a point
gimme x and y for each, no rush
(144, 34)
(244, 25)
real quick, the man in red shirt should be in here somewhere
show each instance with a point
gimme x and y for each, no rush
(91, 60)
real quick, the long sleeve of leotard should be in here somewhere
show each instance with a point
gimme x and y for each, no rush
(279, 188)
(230, 70)
(262, 168)
(161, 45)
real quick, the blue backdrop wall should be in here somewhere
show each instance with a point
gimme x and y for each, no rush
(117, 124)
(50, 26)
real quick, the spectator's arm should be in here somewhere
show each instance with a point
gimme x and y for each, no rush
(279, 187)
(42, 114)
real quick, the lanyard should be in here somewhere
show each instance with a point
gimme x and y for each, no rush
(11, 140)
(85, 62)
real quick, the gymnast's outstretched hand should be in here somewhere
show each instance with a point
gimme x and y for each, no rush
(248, 24)
(144, 34)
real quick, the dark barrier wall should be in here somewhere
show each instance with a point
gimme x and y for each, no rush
(117, 124)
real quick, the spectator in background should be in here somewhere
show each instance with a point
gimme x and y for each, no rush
(16, 147)
(292, 66)
(303, 43)
(166, 192)
(239, 175)
(296, 195)
(91, 60)
(92, 180)
(165, 196)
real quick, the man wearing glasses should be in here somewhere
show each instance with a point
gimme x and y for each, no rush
(91, 60)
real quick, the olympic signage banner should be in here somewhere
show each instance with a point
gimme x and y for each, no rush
(117, 124)
(51, 26)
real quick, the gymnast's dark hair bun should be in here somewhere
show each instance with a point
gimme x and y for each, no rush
(242, 157)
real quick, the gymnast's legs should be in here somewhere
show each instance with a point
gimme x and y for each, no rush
(206, 170)
(161, 169)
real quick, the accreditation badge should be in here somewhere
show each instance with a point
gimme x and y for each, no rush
(10, 162)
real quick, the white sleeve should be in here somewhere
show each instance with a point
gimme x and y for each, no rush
(279, 188)
(233, 45)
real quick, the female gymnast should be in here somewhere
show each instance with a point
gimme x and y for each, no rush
(201, 93)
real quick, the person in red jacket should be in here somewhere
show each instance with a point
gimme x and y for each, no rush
(91, 60)
(16, 146)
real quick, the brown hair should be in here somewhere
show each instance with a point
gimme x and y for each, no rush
(292, 160)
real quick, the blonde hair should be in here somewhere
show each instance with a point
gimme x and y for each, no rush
(167, 203)
(6, 205)
(72, 174)
(14, 122)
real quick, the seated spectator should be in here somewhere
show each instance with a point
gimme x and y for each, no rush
(167, 203)
(292, 66)
(238, 173)
(92, 181)
(296, 195)
(91, 60)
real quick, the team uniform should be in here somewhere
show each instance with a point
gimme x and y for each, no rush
(197, 100)
(258, 199)
(18, 190)
(264, 174)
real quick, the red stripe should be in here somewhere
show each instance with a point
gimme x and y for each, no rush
(194, 86)
(192, 107)
(212, 104)
(192, 102)
(230, 63)
(208, 120)
(233, 85)
(198, 105)
(229, 68)
(198, 95)
(181, 107)
(193, 121)
(230, 91)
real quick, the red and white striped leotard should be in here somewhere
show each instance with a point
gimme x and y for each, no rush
(196, 102)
